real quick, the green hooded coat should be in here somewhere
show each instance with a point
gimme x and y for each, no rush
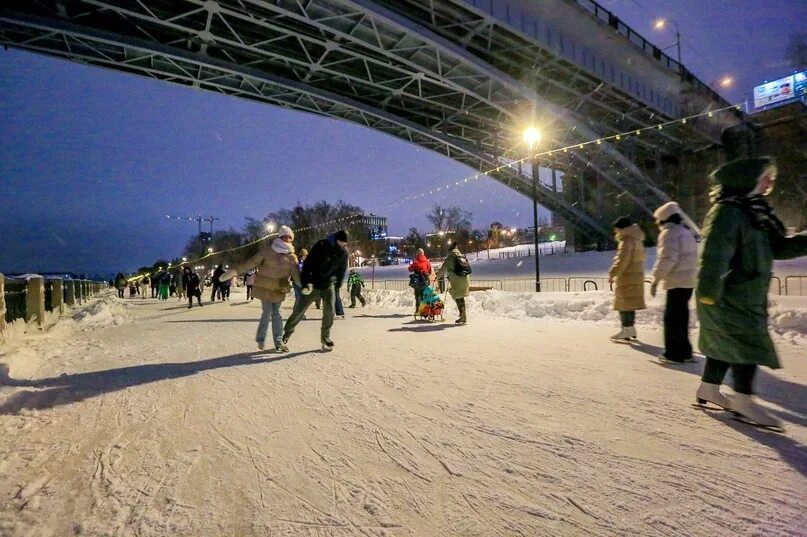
(460, 285)
(735, 273)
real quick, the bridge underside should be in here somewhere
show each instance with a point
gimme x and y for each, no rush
(442, 76)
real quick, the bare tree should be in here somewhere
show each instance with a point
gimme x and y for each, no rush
(797, 50)
(450, 219)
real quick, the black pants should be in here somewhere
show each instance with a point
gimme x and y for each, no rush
(120, 292)
(249, 292)
(355, 292)
(715, 370)
(627, 318)
(676, 325)
(418, 297)
(194, 293)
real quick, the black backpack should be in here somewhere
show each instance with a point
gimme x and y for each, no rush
(418, 280)
(461, 266)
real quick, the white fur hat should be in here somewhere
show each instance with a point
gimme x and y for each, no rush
(666, 211)
(285, 231)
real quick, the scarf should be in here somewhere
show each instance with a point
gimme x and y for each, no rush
(282, 247)
(761, 213)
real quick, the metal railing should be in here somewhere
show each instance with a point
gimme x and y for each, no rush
(792, 286)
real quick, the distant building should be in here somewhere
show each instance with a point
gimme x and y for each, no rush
(376, 226)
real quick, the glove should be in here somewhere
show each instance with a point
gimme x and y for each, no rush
(653, 288)
(308, 289)
(228, 275)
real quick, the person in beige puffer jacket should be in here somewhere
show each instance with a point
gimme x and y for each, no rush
(627, 272)
(676, 266)
(276, 264)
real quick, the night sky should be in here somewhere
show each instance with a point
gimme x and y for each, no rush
(92, 160)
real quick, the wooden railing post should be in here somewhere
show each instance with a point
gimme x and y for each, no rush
(56, 297)
(35, 300)
(70, 295)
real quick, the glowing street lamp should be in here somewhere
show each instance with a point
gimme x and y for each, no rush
(270, 227)
(531, 137)
(184, 259)
(660, 24)
(210, 250)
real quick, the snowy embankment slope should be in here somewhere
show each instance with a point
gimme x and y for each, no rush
(166, 422)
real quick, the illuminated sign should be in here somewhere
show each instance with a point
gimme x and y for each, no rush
(779, 91)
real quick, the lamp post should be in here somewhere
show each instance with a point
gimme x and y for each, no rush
(532, 137)
(659, 25)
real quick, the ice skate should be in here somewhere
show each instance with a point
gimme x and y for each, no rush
(625, 334)
(710, 393)
(261, 345)
(327, 345)
(748, 411)
(281, 348)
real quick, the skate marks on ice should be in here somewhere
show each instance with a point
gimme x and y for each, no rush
(72, 388)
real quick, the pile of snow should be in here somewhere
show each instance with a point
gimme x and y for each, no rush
(105, 311)
(788, 315)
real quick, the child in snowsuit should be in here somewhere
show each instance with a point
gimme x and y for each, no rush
(354, 284)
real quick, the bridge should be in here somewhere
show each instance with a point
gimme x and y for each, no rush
(459, 77)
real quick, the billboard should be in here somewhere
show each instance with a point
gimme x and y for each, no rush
(782, 90)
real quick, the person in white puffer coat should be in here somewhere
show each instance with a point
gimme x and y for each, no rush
(676, 266)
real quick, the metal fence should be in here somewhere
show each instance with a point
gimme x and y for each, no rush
(791, 286)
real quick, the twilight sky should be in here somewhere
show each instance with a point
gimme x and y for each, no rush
(91, 160)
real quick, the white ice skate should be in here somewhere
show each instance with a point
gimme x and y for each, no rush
(710, 393)
(625, 334)
(327, 345)
(748, 411)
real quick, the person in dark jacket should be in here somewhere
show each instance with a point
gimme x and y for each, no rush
(215, 284)
(191, 282)
(742, 237)
(120, 284)
(321, 277)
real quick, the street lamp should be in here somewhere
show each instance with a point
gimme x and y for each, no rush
(531, 137)
(270, 227)
(659, 25)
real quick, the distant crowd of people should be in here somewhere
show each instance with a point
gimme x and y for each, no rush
(741, 238)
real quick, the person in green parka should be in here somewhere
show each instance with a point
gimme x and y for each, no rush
(742, 237)
(458, 270)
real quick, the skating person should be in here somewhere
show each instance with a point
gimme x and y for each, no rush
(145, 285)
(298, 291)
(421, 271)
(224, 287)
(249, 281)
(192, 287)
(627, 273)
(276, 265)
(458, 269)
(120, 283)
(179, 286)
(215, 284)
(742, 237)
(165, 285)
(322, 275)
(676, 266)
(354, 286)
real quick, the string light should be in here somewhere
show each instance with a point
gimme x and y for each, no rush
(598, 141)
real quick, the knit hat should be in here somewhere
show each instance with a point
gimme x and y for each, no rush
(622, 222)
(303, 252)
(742, 175)
(285, 231)
(340, 235)
(663, 213)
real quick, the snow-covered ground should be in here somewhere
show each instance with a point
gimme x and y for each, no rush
(144, 418)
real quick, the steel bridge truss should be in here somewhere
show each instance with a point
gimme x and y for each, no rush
(443, 77)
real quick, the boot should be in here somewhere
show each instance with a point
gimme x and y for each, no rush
(744, 406)
(710, 393)
(631, 332)
(624, 334)
(461, 308)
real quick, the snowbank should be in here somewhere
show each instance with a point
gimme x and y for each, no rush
(106, 311)
(788, 315)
